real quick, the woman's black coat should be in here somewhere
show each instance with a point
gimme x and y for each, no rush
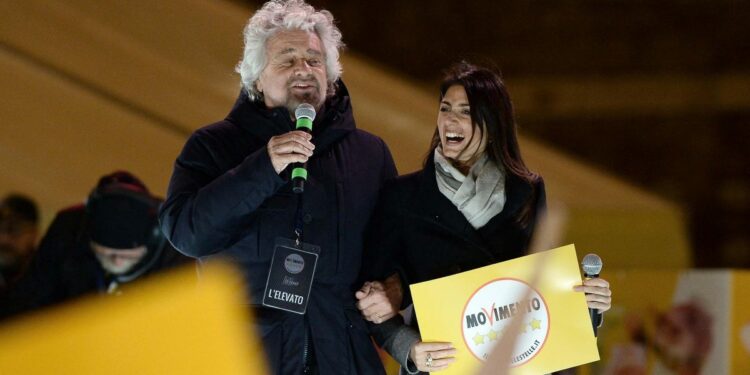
(417, 232)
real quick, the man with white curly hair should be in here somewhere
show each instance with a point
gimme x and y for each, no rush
(230, 195)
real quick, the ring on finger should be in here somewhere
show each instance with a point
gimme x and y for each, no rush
(428, 362)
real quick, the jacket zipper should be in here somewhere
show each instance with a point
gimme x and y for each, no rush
(306, 349)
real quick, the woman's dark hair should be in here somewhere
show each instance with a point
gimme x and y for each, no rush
(492, 110)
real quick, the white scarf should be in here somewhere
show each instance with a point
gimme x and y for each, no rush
(480, 195)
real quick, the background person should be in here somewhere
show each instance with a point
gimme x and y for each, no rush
(101, 246)
(19, 224)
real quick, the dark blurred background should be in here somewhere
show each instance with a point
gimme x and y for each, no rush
(656, 93)
(687, 62)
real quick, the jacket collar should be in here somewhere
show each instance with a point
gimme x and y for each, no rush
(333, 123)
(442, 212)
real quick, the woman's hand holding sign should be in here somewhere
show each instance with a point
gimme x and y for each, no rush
(432, 356)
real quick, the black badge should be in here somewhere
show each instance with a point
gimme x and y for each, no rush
(290, 276)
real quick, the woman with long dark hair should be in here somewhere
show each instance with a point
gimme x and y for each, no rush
(474, 203)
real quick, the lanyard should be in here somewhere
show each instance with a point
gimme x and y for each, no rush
(298, 222)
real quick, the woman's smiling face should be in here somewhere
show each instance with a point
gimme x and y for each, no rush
(462, 140)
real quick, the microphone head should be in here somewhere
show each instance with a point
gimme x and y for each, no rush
(305, 110)
(592, 265)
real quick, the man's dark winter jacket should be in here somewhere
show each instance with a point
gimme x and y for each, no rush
(225, 199)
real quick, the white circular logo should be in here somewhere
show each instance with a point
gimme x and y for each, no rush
(294, 263)
(493, 306)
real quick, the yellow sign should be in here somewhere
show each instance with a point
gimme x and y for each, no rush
(473, 310)
(164, 325)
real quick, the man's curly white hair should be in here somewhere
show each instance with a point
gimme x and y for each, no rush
(279, 15)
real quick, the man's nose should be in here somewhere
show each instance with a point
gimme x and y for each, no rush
(302, 68)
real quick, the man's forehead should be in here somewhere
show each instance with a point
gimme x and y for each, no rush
(292, 41)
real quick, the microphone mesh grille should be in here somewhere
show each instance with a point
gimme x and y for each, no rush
(305, 110)
(592, 264)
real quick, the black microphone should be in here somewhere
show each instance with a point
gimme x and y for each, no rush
(305, 114)
(592, 266)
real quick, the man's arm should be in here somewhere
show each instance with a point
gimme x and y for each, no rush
(205, 206)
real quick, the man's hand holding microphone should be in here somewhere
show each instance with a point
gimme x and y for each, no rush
(294, 147)
(288, 148)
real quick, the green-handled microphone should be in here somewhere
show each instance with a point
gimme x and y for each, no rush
(305, 114)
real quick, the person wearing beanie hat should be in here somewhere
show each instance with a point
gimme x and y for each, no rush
(111, 240)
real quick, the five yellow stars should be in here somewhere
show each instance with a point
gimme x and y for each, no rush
(493, 335)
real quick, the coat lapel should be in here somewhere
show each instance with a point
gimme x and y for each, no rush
(440, 211)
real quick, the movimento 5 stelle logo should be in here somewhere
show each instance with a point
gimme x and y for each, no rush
(491, 308)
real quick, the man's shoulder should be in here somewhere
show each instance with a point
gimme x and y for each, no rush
(64, 233)
(366, 138)
(364, 134)
(218, 129)
(71, 214)
(221, 135)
